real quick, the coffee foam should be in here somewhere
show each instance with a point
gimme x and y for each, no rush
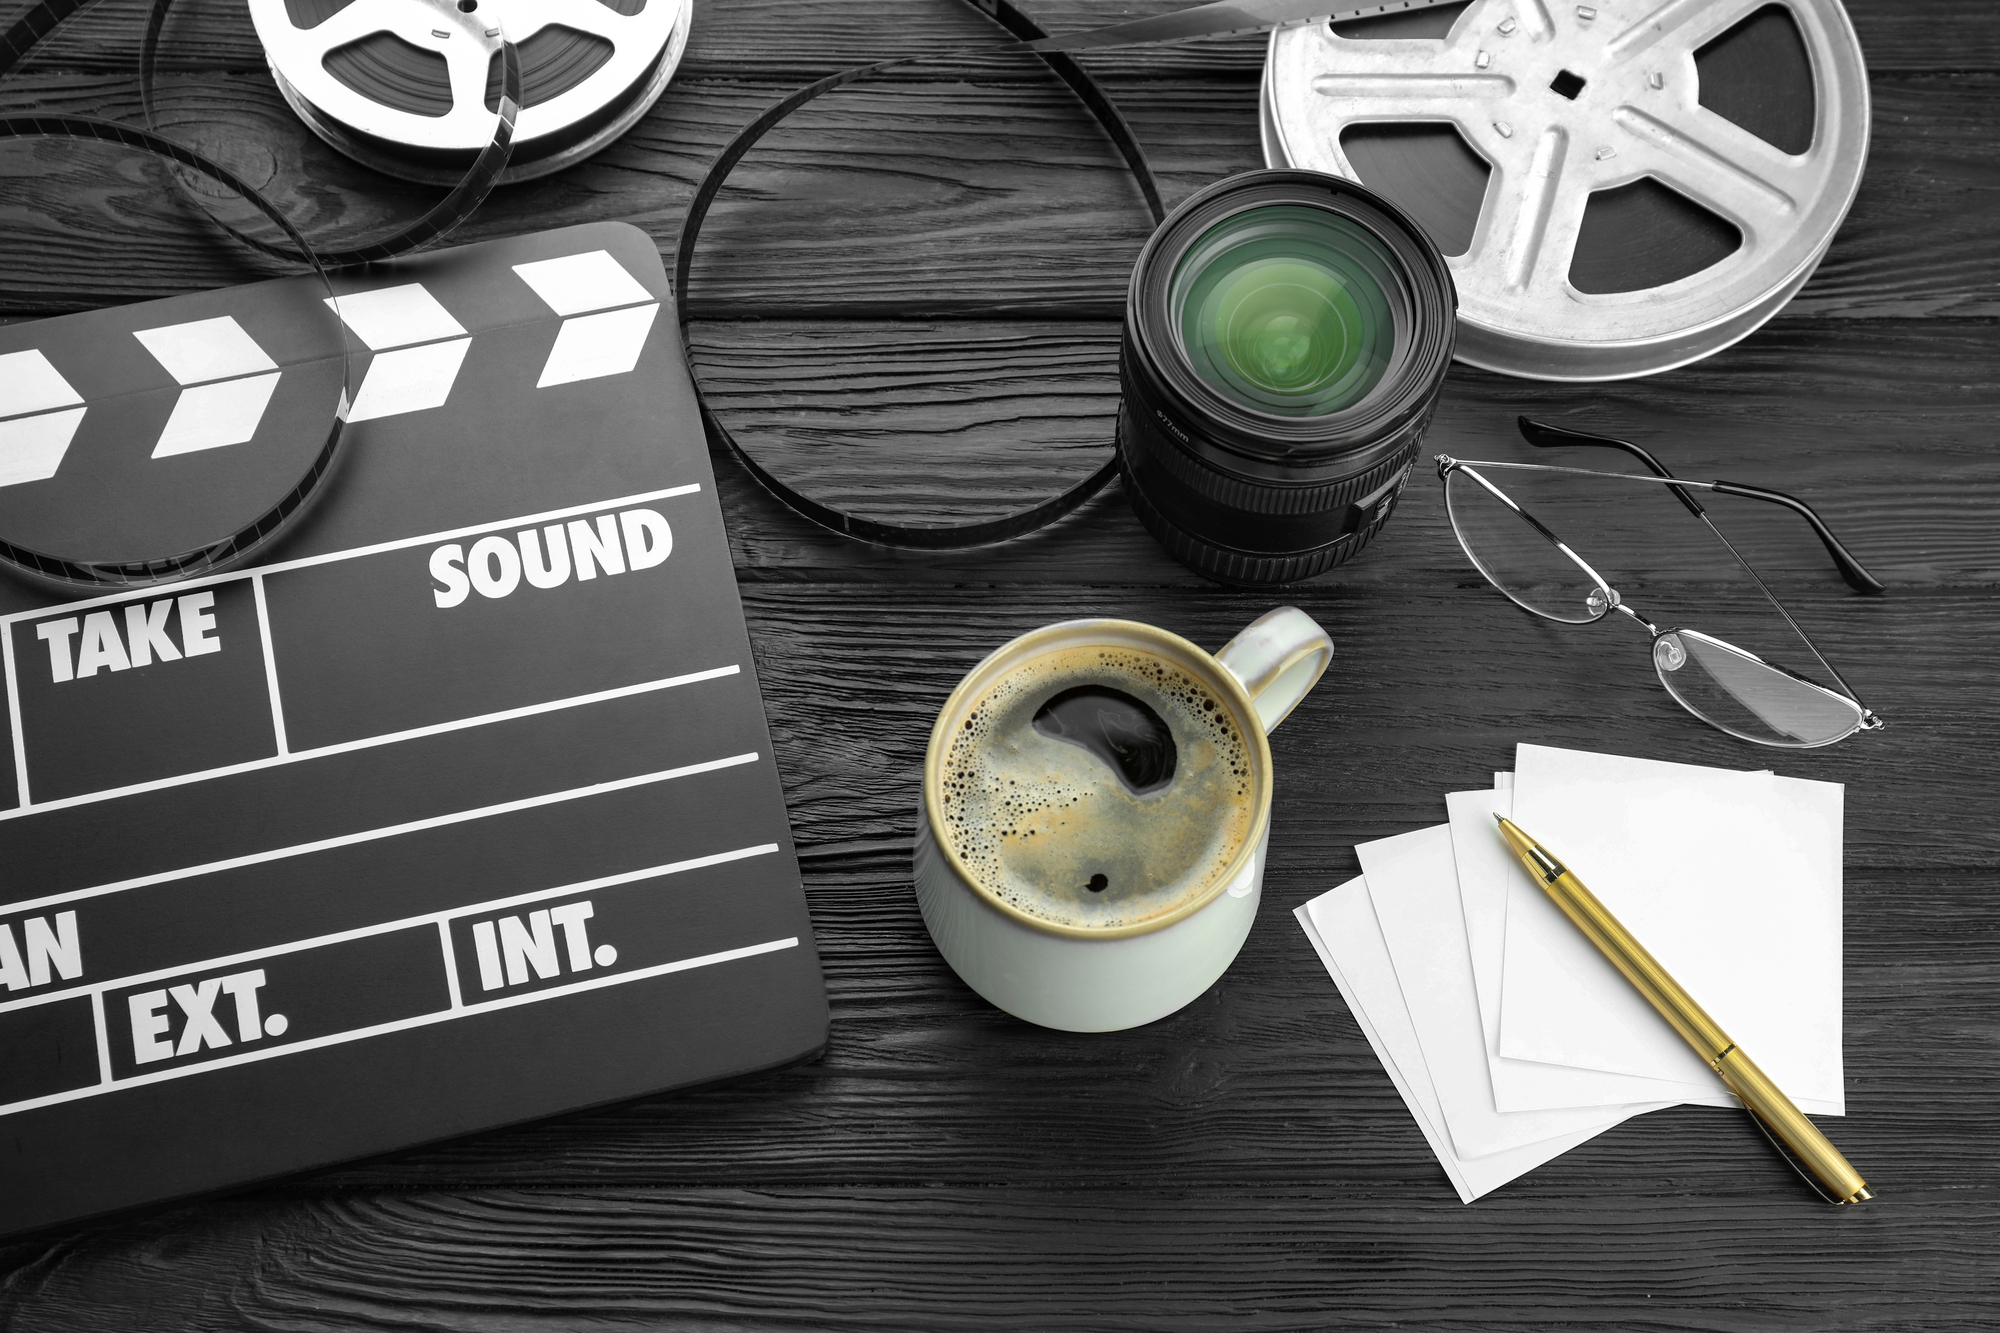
(1033, 818)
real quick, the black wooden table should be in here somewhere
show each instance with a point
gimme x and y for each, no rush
(913, 293)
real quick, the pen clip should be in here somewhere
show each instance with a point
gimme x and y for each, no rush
(1790, 1159)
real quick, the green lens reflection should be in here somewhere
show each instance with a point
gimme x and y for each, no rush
(1286, 309)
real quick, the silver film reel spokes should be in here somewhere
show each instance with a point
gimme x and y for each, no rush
(409, 86)
(1566, 104)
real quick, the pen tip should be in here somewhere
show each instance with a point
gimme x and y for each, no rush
(1499, 818)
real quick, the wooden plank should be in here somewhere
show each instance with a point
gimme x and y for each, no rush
(1929, 190)
(1431, 689)
(926, 199)
(923, 423)
(886, 416)
(91, 225)
(943, 197)
(1927, 35)
(1263, 1081)
(784, 37)
(1308, 1254)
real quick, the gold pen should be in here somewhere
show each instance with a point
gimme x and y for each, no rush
(1785, 1123)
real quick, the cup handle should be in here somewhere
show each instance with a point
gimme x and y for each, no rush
(1278, 657)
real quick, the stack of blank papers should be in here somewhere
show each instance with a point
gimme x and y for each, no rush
(1509, 1036)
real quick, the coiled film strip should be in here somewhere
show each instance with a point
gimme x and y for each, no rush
(45, 410)
(46, 402)
(1216, 19)
(879, 531)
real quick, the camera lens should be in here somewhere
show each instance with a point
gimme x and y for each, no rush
(1282, 309)
(1286, 336)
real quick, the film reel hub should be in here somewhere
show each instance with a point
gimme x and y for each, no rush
(410, 87)
(1567, 105)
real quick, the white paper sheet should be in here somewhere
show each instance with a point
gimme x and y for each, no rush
(1342, 927)
(1731, 880)
(1413, 884)
(1485, 870)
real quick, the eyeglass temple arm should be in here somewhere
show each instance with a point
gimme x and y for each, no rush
(1544, 436)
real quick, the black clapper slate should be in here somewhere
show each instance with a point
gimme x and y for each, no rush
(357, 870)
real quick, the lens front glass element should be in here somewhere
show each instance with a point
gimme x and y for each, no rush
(1288, 309)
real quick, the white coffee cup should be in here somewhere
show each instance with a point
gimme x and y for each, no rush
(1085, 979)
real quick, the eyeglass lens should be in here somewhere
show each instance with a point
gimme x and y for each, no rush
(1516, 557)
(1729, 688)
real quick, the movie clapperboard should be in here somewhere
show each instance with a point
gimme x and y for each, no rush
(455, 809)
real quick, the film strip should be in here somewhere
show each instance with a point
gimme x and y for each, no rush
(1208, 20)
(878, 531)
(54, 410)
(526, 137)
(463, 199)
(37, 437)
(467, 193)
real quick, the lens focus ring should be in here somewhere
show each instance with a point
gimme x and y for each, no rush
(1228, 564)
(1161, 451)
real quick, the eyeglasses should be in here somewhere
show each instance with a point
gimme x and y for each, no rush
(1725, 686)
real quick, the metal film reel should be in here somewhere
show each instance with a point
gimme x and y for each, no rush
(410, 87)
(1635, 184)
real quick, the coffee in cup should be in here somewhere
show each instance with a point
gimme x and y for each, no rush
(1097, 787)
